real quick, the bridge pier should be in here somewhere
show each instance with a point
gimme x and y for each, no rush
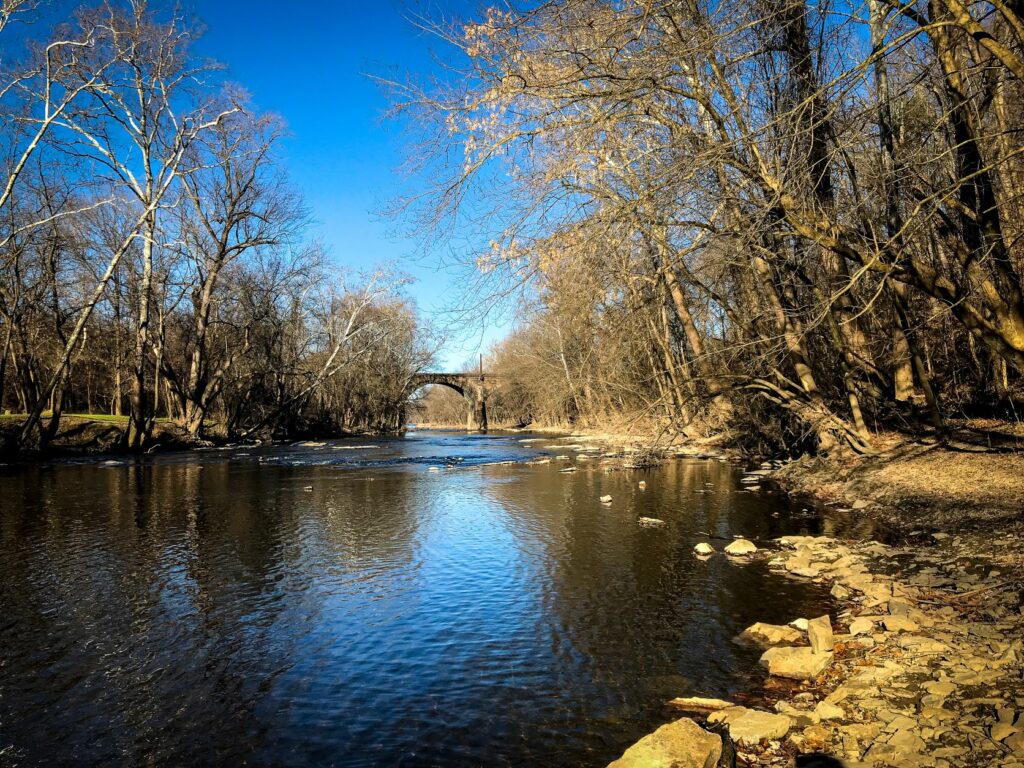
(476, 409)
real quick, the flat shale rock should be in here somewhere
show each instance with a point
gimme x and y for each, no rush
(749, 727)
(680, 744)
(795, 663)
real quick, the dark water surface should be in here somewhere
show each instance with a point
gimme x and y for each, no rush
(416, 607)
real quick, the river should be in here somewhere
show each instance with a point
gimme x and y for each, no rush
(386, 602)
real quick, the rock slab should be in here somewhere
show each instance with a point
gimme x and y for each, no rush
(680, 744)
(819, 632)
(795, 663)
(749, 727)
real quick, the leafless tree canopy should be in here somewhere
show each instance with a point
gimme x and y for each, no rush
(153, 255)
(800, 220)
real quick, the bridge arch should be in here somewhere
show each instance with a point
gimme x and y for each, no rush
(472, 387)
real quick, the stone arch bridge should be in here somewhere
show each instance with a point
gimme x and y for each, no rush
(473, 387)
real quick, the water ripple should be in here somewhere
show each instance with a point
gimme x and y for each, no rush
(342, 604)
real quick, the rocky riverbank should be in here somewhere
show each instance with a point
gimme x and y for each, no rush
(921, 666)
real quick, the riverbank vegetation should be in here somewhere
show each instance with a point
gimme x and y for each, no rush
(798, 223)
(154, 258)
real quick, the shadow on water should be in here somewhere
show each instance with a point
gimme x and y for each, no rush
(344, 604)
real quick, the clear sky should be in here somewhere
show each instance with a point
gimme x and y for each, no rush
(311, 61)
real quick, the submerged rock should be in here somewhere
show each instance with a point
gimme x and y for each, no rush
(771, 634)
(650, 522)
(681, 744)
(740, 547)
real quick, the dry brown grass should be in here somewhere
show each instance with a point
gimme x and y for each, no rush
(956, 486)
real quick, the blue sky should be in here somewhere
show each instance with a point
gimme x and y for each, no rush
(311, 62)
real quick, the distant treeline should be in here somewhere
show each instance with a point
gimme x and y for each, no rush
(800, 220)
(153, 258)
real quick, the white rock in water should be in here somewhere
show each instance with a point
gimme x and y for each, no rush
(704, 549)
(740, 547)
(606, 499)
(642, 485)
(651, 522)
(308, 489)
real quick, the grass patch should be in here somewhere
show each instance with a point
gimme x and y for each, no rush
(101, 417)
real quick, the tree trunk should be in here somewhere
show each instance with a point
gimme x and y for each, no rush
(141, 418)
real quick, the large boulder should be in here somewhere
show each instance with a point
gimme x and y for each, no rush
(680, 744)
(749, 727)
(771, 634)
(795, 663)
(740, 547)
